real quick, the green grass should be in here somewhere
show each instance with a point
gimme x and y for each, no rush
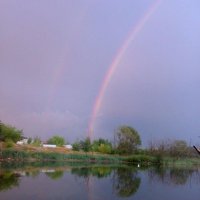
(142, 159)
(12, 154)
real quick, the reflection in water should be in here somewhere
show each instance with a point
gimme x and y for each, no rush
(8, 180)
(176, 176)
(126, 182)
(180, 176)
(98, 172)
(55, 175)
(98, 182)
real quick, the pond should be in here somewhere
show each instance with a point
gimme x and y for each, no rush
(86, 182)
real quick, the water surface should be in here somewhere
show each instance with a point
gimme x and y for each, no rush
(59, 182)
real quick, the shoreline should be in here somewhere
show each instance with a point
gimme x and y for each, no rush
(16, 155)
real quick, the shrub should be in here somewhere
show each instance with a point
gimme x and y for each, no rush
(9, 143)
(104, 148)
(57, 140)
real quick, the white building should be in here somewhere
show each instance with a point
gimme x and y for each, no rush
(23, 141)
(49, 145)
(68, 146)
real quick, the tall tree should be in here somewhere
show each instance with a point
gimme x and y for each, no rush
(128, 139)
(86, 144)
(8, 132)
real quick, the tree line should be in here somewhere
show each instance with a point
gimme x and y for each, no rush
(127, 141)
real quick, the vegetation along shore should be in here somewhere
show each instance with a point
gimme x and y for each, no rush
(125, 149)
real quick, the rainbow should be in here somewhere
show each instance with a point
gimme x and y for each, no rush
(57, 74)
(62, 63)
(115, 63)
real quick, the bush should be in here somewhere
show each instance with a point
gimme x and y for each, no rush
(9, 143)
(104, 148)
(57, 140)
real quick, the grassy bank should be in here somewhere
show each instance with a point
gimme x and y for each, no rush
(12, 154)
(24, 155)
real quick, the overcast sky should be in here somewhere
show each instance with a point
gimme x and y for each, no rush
(54, 57)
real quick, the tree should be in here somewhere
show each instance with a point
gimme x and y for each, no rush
(29, 140)
(105, 148)
(57, 140)
(179, 148)
(76, 146)
(128, 139)
(0, 126)
(9, 133)
(37, 142)
(102, 146)
(86, 144)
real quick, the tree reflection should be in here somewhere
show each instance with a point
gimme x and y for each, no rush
(158, 174)
(98, 172)
(176, 176)
(81, 172)
(180, 176)
(55, 175)
(126, 182)
(8, 180)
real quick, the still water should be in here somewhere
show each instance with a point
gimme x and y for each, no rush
(61, 182)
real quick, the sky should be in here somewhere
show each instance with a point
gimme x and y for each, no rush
(56, 59)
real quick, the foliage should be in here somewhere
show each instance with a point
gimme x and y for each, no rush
(57, 140)
(143, 159)
(128, 140)
(105, 148)
(86, 144)
(179, 148)
(8, 132)
(37, 142)
(0, 126)
(160, 147)
(102, 146)
(76, 146)
(9, 143)
(53, 156)
(29, 140)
